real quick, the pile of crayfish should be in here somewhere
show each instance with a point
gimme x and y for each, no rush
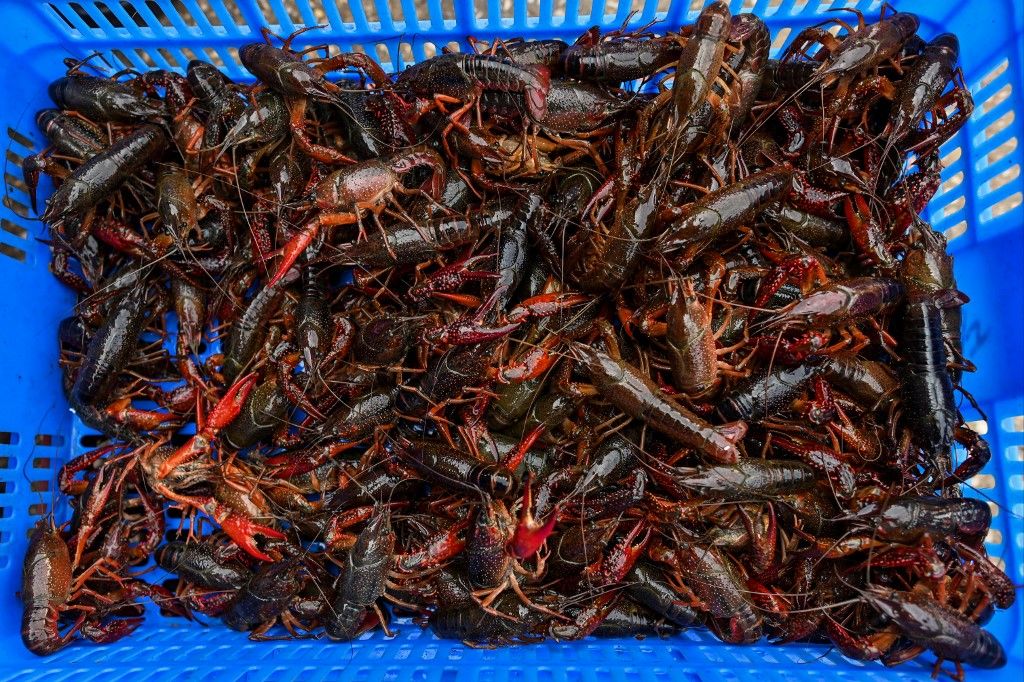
(519, 352)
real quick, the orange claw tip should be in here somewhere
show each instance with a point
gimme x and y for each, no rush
(242, 532)
(515, 456)
(530, 537)
(186, 453)
(223, 414)
(733, 431)
(856, 210)
(281, 271)
(290, 252)
(231, 404)
(627, 552)
(552, 297)
(544, 305)
(271, 532)
(118, 405)
(468, 300)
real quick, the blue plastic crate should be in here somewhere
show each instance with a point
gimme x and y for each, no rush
(978, 206)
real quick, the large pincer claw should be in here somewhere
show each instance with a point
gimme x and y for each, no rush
(530, 534)
(223, 414)
(243, 531)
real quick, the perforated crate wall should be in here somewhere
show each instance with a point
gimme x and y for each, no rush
(978, 207)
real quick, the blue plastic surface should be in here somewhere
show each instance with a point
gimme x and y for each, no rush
(979, 206)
